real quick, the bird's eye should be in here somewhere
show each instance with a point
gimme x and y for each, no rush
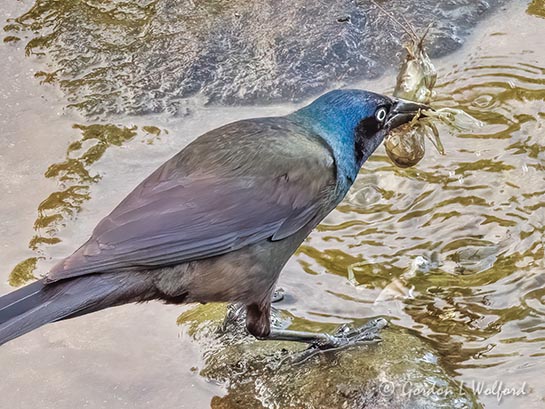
(380, 115)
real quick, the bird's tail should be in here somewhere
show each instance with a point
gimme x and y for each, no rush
(37, 304)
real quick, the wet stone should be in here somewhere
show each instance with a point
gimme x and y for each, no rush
(400, 372)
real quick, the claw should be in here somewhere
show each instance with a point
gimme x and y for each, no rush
(346, 336)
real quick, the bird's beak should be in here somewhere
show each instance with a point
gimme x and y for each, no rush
(403, 111)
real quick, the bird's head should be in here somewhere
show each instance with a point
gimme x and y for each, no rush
(354, 123)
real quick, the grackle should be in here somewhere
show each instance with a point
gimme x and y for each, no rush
(218, 221)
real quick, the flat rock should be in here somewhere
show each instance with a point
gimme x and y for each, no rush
(400, 372)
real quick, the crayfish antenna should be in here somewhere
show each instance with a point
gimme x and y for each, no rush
(407, 27)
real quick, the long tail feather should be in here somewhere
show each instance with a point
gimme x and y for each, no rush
(37, 304)
(20, 300)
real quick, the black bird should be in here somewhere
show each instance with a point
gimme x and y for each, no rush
(218, 221)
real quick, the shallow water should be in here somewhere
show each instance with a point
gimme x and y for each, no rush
(480, 210)
(226, 51)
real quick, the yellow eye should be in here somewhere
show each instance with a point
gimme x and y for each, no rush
(381, 113)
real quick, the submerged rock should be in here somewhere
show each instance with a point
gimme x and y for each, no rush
(400, 372)
(148, 56)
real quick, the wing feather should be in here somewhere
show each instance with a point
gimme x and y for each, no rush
(253, 180)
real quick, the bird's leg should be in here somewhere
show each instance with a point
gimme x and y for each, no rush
(320, 340)
(237, 311)
(258, 324)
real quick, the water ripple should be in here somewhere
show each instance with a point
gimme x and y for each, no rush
(480, 209)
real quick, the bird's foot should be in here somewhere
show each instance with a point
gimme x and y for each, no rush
(344, 336)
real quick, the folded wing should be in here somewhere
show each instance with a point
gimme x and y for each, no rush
(234, 186)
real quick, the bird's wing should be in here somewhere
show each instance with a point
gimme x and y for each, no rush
(234, 186)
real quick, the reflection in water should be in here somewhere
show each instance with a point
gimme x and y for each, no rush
(74, 176)
(500, 250)
(23, 272)
(537, 8)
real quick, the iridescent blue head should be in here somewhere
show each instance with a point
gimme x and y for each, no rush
(354, 123)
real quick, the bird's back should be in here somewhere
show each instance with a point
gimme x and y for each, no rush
(247, 181)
